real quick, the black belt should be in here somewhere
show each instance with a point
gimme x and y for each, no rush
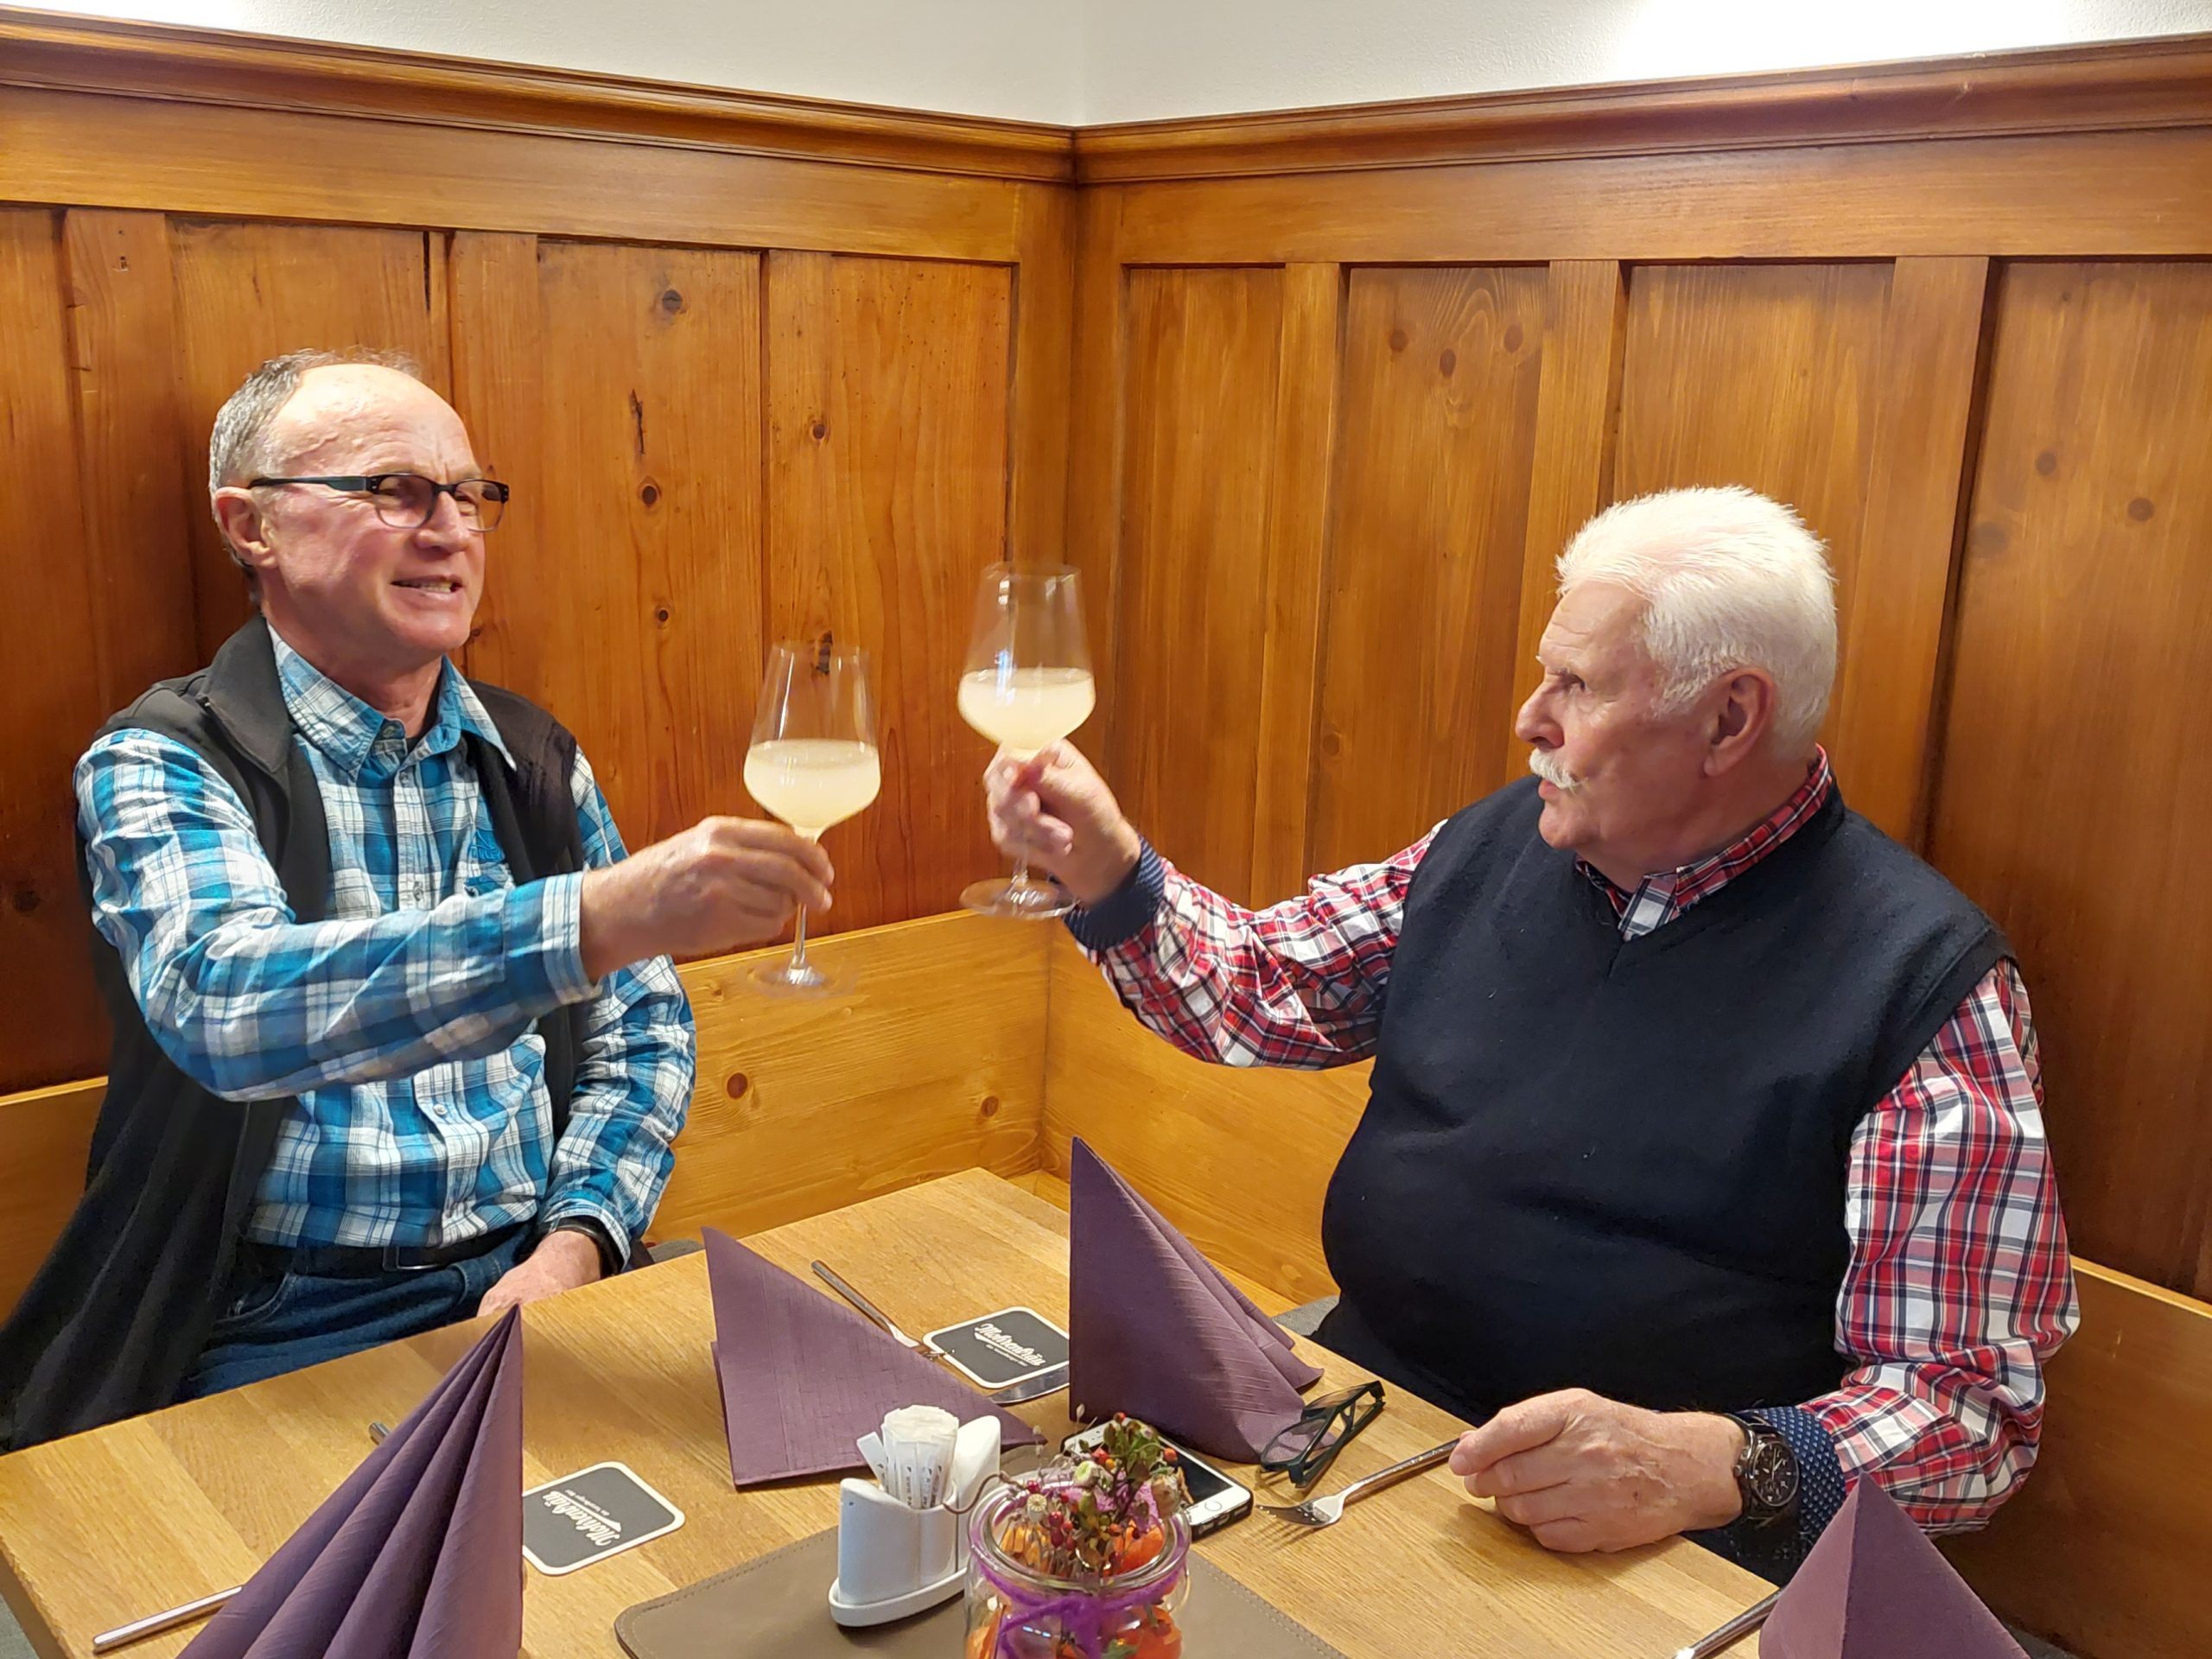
(370, 1262)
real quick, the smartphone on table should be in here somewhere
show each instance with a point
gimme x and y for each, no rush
(1216, 1500)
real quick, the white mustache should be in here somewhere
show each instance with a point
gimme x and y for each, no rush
(1549, 767)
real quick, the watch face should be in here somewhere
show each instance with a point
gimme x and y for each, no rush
(1772, 1473)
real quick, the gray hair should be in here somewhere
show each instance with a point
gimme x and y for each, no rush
(1730, 580)
(238, 449)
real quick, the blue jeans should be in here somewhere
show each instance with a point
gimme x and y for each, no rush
(275, 1325)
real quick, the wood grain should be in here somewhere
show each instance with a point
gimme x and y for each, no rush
(200, 66)
(1307, 393)
(183, 158)
(248, 292)
(1888, 666)
(888, 471)
(1766, 376)
(102, 1527)
(1202, 357)
(2102, 1550)
(46, 1135)
(1043, 345)
(54, 696)
(1097, 436)
(2135, 84)
(636, 617)
(1238, 1158)
(136, 499)
(1422, 600)
(1577, 407)
(2074, 783)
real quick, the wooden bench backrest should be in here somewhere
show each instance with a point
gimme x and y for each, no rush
(935, 1063)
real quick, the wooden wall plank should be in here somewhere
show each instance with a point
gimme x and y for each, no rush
(198, 159)
(55, 698)
(1043, 345)
(1190, 630)
(1437, 445)
(247, 292)
(638, 621)
(1298, 545)
(1578, 403)
(888, 443)
(1889, 665)
(137, 499)
(2112, 193)
(1767, 376)
(1097, 434)
(2075, 782)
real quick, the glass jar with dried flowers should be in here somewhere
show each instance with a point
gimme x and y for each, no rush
(1088, 1558)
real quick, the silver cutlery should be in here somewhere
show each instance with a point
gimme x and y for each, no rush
(1731, 1633)
(1327, 1511)
(1036, 1388)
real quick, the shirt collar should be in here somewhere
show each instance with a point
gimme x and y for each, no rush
(347, 730)
(1675, 890)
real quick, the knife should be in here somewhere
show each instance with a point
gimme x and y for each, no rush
(1035, 1387)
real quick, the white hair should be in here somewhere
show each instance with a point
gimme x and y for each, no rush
(1730, 580)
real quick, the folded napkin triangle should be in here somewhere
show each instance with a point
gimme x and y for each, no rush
(1156, 1331)
(802, 1377)
(419, 1552)
(1873, 1587)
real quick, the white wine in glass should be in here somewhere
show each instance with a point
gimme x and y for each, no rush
(813, 764)
(1026, 683)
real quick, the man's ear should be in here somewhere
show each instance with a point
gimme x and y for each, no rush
(244, 527)
(1741, 716)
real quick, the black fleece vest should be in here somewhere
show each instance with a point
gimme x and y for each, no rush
(122, 1307)
(1620, 1165)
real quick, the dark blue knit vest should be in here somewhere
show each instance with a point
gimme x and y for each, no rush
(1620, 1165)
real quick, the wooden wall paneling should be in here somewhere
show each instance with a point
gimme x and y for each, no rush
(137, 502)
(1578, 404)
(1438, 442)
(1768, 376)
(55, 698)
(1044, 343)
(888, 490)
(1888, 666)
(2118, 194)
(246, 292)
(1096, 428)
(47, 1134)
(642, 631)
(212, 160)
(1191, 626)
(2075, 782)
(498, 355)
(1297, 553)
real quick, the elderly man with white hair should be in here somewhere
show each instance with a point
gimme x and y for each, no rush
(1704, 1165)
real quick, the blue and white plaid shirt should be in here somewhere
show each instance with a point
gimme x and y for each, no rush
(423, 1117)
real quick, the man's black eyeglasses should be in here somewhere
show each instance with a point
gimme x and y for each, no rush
(1310, 1445)
(407, 500)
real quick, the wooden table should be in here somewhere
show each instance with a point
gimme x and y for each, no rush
(105, 1526)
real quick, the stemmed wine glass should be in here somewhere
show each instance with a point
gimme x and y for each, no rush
(1026, 683)
(813, 764)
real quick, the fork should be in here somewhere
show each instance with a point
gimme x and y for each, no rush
(1327, 1511)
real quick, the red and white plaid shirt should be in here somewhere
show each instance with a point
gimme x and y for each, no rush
(1959, 1285)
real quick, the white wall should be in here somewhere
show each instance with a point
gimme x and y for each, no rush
(1150, 58)
(1018, 58)
(1091, 60)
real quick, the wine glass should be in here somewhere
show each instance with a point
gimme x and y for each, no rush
(813, 764)
(1026, 684)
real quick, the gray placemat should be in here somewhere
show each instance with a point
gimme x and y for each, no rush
(778, 1607)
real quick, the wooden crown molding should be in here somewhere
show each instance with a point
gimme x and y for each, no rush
(2124, 85)
(53, 51)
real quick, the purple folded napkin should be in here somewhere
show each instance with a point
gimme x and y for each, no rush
(1873, 1587)
(419, 1552)
(1154, 1330)
(804, 1377)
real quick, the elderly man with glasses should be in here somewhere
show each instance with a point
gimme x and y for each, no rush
(396, 1036)
(1703, 1165)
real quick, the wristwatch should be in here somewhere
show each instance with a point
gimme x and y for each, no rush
(1766, 1472)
